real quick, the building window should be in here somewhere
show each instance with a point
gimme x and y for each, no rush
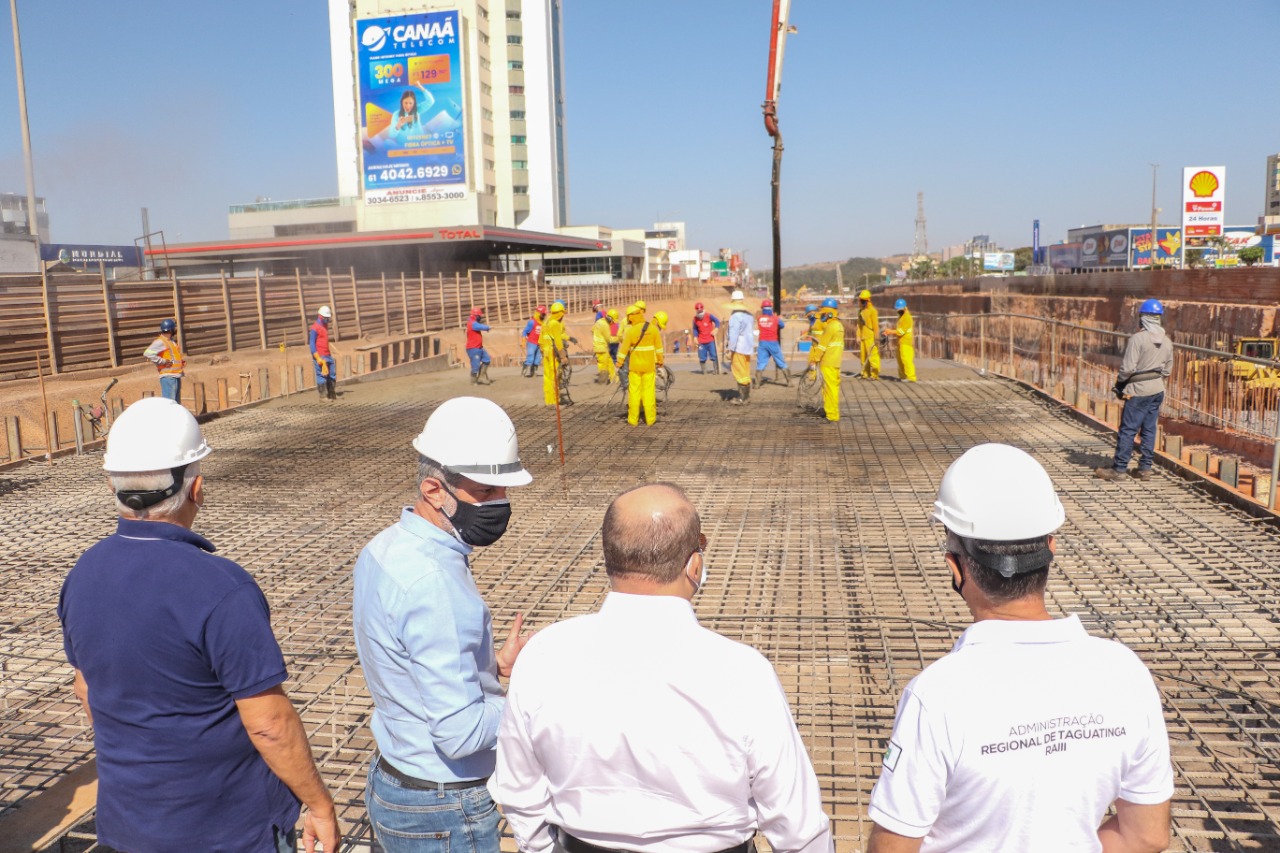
(515, 40)
(484, 37)
(486, 114)
(488, 139)
(515, 64)
(515, 90)
(489, 188)
(519, 114)
(513, 15)
(485, 64)
(519, 190)
(518, 140)
(483, 12)
(519, 164)
(486, 89)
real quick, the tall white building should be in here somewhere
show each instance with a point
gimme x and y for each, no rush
(1271, 209)
(450, 113)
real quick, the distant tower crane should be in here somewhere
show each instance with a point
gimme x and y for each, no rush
(777, 42)
(921, 248)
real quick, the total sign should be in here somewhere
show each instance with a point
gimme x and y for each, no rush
(1203, 196)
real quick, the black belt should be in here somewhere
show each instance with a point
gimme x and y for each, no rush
(426, 784)
(577, 845)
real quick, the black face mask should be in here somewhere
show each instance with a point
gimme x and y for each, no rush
(958, 587)
(479, 524)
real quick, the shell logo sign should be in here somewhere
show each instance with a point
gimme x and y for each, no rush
(1203, 184)
(1203, 200)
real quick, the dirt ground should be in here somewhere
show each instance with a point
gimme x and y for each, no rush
(23, 398)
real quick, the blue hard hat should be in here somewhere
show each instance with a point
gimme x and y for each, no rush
(168, 326)
(900, 305)
(830, 302)
(810, 308)
(1151, 306)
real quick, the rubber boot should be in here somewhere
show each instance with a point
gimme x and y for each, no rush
(759, 379)
(331, 388)
(475, 377)
(323, 389)
(746, 393)
(703, 365)
(484, 374)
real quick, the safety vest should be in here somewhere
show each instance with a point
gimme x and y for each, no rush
(601, 336)
(169, 351)
(906, 329)
(768, 325)
(321, 331)
(552, 336)
(645, 347)
(475, 340)
(533, 330)
(830, 347)
(705, 327)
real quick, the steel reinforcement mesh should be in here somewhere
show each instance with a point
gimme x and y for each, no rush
(820, 551)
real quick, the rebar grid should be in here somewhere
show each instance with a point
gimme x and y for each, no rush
(820, 551)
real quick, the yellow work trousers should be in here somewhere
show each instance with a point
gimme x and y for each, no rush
(831, 392)
(642, 388)
(605, 365)
(870, 355)
(550, 377)
(906, 362)
(741, 366)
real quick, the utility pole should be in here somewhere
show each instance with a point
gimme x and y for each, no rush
(1155, 168)
(921, 248)
(33, 215)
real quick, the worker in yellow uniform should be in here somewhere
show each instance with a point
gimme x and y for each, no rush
(826, 355)
(641, 352)
(554, 343)
(905, 333)
(868, 331)
(602, 337)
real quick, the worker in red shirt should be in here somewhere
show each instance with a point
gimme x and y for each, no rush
(532, 333)
(705, 326)
(476, 327)
(769, 325)
(322, 355)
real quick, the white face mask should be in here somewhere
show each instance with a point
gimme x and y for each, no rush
(702, 581)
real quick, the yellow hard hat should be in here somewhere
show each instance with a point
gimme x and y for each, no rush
(638, 308)
(660, 317)
(866, 294)
(557, 307)
(640, 304)
(612, 313)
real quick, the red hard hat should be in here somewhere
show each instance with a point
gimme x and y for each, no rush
(697, 306)
(596, 303)
(477, 311)
(542, 309)
(768, 303)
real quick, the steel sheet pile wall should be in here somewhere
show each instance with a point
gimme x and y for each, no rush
(838, 580)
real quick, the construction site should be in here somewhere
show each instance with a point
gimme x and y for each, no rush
(821, 550)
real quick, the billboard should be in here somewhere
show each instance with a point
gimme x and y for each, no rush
(1203, 198)
(83, 255)
(997, 261)
(1064, 257)
(1168, 246)
(412, 126)
(1113, 248)
(1243, 237)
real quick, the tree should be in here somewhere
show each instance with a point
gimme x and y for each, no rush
(1250, 255)
(1193, 257)
(1022, 258)
(921, 269)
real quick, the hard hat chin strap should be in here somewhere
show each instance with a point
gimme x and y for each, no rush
(140, 499)
(1008, 565)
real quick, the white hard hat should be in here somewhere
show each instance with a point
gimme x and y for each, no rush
(474, 437)
(736, 296)
(325, 312)
(998, 493)
(153, 434)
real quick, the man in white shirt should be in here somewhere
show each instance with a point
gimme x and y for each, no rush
(637, 729)
(1029, 730)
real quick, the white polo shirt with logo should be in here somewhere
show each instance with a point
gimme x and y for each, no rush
(1020, 739)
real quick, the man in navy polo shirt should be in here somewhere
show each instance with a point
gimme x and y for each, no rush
(175, 663)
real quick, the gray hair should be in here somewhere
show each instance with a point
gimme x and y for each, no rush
(429, 469)
(154, 481)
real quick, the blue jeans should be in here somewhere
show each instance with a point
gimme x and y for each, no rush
(532, 354)
(478, 357)
(707, 351)
(171, 387)
(321, 379)
(1141, 414)
(412, 820)
(770, 350)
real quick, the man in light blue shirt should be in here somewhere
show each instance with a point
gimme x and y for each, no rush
(425, 637)
(741, 343)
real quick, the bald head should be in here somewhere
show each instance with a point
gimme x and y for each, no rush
(650, 530)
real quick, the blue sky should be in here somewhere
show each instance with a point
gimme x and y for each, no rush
(1000, 112)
